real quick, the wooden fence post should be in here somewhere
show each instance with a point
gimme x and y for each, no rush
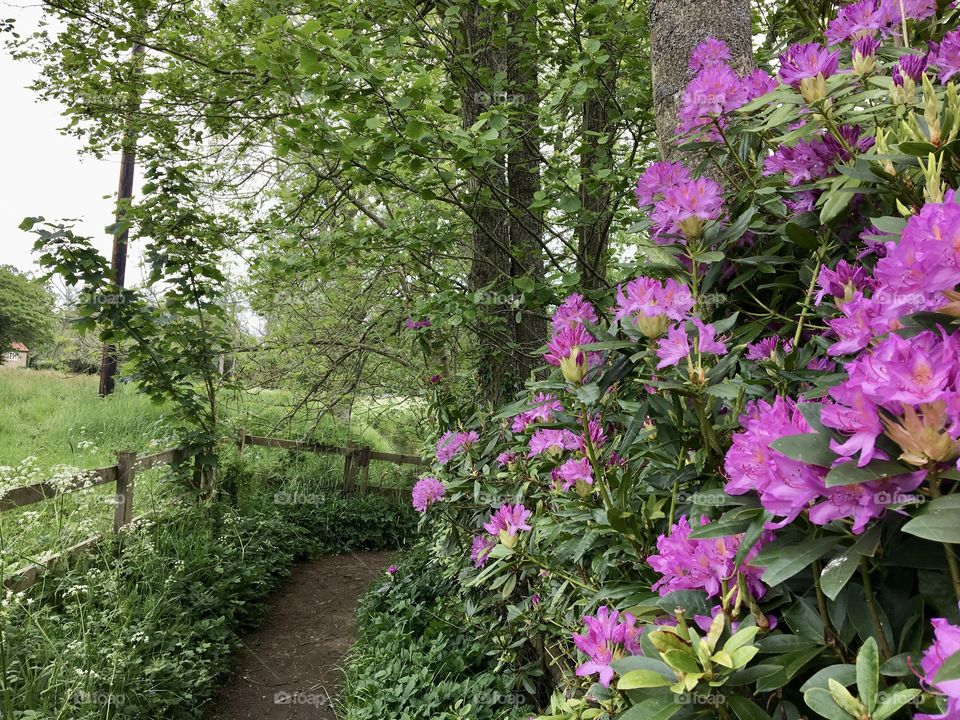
(364, 469)
(126, 473)
(243, 439)
(349, 468)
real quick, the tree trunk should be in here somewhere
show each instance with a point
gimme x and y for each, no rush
(595, 155)
(676, 27)
(490, 243)
(523, 178)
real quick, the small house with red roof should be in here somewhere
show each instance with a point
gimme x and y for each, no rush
(16, 356)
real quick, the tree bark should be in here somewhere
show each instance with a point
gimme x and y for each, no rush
(523, 178)
(676, 27)
(491, 263)
(596, 138)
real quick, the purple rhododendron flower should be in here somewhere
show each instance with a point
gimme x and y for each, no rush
(758, 83)
(553, 441)
(480, 549)
(857, 20)
(673, 348)
(687, 563)
(866, 47)
(575, 310)
(505, 458)
(392, 570)
(412, 324)
(507, 521)
(427, 491)
(453, 443)
(911, 66)
(946, 643)
(657, 178)
(814, 158)
(709, 52)
(801, 202)
(609, 637)
(644, 297)
(842, 281)
(786, 487)
(566, 344)
(544, 407)
(574, 471)
(598, 434)
(945, 56)
(685, 208)
(707, 342)
(927, 257)
(764, 349)
(807, 60)
(715, 91)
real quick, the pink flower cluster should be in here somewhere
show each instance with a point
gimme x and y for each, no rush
(554, 442)
(716, 90)
(869, 18)
(503, 526)
(570, 334)
(544, 408)
(946, 643)
(687, 563)
(909, 388)
(912, 276)
(412, 324)
(815, 158)
(788, 487)
(807, 61)
(572, 471)
(453, 443)
(650, 306)
(427, 491)
(609, 636)
(945, 55)
(681, 205)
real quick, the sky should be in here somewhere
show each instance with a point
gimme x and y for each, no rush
(40, 170)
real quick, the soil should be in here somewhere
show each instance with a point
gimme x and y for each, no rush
(291, 666)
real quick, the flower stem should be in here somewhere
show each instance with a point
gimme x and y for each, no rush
(872, 607)
(830, 633)
(947, 547)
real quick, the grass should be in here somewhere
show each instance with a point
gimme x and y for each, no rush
(53, 425)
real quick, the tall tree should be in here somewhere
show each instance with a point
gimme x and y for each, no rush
(675, 29)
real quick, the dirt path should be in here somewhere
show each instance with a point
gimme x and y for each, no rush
(290, 667)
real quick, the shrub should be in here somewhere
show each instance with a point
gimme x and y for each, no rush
(734, 493)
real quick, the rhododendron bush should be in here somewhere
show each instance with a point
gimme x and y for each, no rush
(733, 493)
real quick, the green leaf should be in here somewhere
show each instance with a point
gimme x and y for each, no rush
(810, 448)
(784, 561)
(822, 703)
(868, 673)
(939, 521)
(845, 674)
(802, 237)
(849, 474)
(746, 709)
(641, 679)
(894, 699)
(837, 573)
(662, 707)
(843, 697)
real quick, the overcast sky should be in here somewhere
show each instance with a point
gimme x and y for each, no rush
(40, 171)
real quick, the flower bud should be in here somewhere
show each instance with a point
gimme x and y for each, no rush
(652, 326)
(507, 539)
(931, 111)
(574, 366)
(691, 227)
(925, 438)
(814, 89)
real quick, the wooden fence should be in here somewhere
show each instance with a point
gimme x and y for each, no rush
(356, 465)
(123, 474)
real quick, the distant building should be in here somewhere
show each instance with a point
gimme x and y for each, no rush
(17, 356)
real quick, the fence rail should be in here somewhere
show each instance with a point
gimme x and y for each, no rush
(124, 472)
